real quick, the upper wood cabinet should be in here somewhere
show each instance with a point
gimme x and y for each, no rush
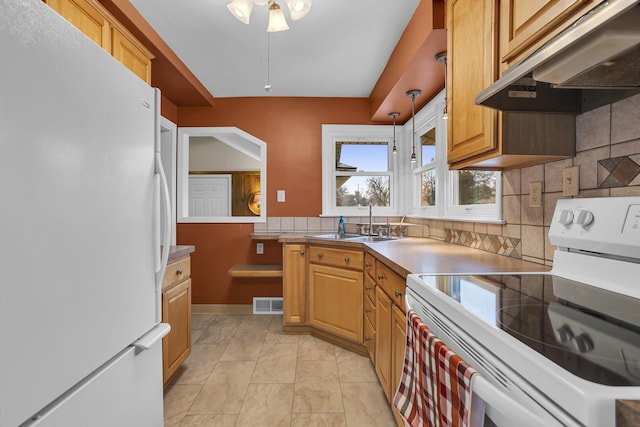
(472, 66)
(526, 22)
(92, 19)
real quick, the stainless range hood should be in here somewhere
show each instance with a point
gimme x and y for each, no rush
(593, 62)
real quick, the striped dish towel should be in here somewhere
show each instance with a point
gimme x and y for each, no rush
(435, 388)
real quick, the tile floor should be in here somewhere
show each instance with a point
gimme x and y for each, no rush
(243, 371)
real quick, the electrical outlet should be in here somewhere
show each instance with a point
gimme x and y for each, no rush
(535, 194)
(570, 181)
(259, 248)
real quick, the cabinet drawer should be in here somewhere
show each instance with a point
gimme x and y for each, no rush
(392, 283)
(177, 271)
(370, 310)
(370, 339)
(343, 258)
(370, 288)
(370, 265)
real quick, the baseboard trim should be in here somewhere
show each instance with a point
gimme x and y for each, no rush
(221, 308)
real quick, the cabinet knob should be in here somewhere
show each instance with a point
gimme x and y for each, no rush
(367, 338)
(301, 252)
(380, 276)
(180, 271)
(366, 264)
(346, 259)
(367, 288)
(319, 254)
(398, 294)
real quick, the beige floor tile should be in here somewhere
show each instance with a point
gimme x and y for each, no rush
(312, 348)
(209, 421)
(267, 405)
(201, 321)
(280, 338)
(276, 324)
(277, 364)
(318, 420)
(245, 345)
(366, 405)
(198, 366)
(217, 334)
(177, 400)
(354, 368)
(316, 371)
(225, 389)
(323, 397)
(260, 322)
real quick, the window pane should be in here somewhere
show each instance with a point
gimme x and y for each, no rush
(362, 190)
(476, 188)
(428, 188)
(362, 156)
(428, 144)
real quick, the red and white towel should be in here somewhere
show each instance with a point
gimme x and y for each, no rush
(435, 388)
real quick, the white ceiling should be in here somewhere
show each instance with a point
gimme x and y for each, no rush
(338, 50)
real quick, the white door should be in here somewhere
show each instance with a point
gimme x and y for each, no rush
(210, 195)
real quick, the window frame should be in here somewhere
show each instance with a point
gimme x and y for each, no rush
(331, 134)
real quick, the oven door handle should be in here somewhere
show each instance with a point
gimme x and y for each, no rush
(503, 403)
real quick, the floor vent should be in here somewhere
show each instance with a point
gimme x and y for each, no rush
(267, 305)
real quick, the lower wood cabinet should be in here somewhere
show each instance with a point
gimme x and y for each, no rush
(336, 301)
(176, 311)
(398, 344)
(383, 340)
(294, 284)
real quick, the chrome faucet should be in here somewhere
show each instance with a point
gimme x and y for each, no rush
(370, 219)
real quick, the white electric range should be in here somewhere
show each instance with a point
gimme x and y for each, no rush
(554, 348)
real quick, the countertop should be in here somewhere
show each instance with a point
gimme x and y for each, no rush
(180, 251)
(424, 255)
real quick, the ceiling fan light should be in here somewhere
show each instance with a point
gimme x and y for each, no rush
(277, 21)
(298, 8)
(241, 10)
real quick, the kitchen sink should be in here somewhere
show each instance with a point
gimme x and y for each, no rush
(335, 236)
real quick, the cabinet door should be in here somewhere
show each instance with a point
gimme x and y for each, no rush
(176, 311)
(131, 56)
(398, 344)
(294, 285)
(472, 66)
(383, 340)
(336, 301)
(529, 20)
(86, 18)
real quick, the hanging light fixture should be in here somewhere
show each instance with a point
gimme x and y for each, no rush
(394, 116)
(412, 94)
(442, 58)
(241, 10)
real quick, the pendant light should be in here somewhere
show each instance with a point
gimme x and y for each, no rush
(394, 116)
(412, 94)
(442, 58)
(277, 21)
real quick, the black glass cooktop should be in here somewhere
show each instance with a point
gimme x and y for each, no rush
(591, 332)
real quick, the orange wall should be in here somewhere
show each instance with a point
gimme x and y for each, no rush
(291, 128)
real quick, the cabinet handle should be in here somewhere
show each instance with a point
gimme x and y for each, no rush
(180, 271)
(366, 264)
(346, 259)
(319, 254)
(301, 252)
(380, 276)
(367, 338)
(367, 288)
(398, 293)
(368, 310)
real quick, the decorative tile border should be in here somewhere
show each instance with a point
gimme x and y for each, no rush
(506, 246)
(617, 171)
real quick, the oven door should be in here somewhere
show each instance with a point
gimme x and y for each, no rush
(506, 402)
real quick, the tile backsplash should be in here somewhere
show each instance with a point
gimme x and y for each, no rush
(608, 157)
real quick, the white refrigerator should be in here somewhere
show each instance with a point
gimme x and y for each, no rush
(81, 192)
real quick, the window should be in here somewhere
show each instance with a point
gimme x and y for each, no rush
(358, 170)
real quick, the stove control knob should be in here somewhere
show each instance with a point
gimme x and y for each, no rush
(566, 217)
(563, 334)
(584, 217)
(583, 343)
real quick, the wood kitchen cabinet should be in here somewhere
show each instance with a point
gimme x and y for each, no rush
(525, 23)
(336, 291)
(481, 137)
(398, 344)
(92, 19)
(383, 340)
(176, 311)
(294, 284)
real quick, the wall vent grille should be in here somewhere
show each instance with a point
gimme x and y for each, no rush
(267, 305)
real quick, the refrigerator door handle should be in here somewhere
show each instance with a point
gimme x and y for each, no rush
(166, 231)
(153, 337)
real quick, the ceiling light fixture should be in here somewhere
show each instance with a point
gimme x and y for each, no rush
(394, 116)
(412, 94)
(442, 58)
(241, 10)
